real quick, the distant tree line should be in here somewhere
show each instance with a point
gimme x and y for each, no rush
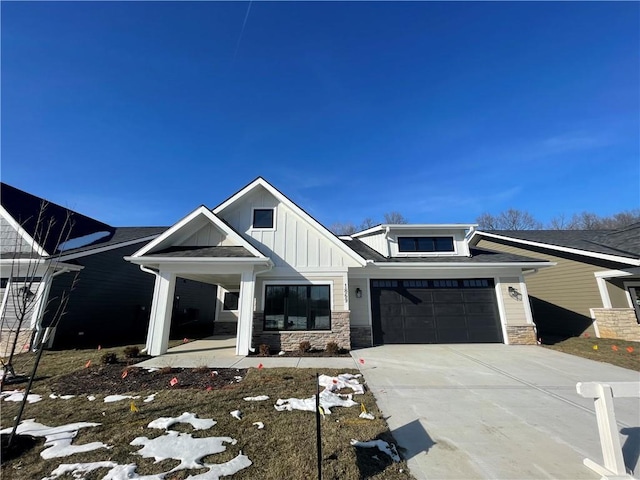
(513, 219)
(348, 228)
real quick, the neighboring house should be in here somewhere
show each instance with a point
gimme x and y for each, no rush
(110, 301)
(283, 278)
(594, 287)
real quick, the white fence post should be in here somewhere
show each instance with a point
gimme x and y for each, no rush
(603, 395)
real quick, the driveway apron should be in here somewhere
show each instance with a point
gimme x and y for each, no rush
(495, 411)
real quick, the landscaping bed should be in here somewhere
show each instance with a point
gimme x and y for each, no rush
(616, 352)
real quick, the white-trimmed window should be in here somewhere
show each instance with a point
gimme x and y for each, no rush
(633, 290)
(230, 302)
(425, 244)
(263, 218)
(297, 307)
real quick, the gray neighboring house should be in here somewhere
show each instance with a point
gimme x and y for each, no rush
(594, 286)
(110, 301)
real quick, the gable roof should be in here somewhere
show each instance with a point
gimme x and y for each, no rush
(621, 245)
(23, 209)
(163, 245)
(324, 231)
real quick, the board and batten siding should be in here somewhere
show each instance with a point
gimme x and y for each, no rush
(10, 239)
(514, 308)
(377, 241)
(563, 294)
(293, 242)
(207, 236)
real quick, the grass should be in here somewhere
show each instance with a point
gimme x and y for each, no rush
(602, 350)
(284, 449)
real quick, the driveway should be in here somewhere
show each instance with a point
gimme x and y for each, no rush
(495, 411)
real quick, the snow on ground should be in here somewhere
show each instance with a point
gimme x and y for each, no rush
(259, 398)
(381, 445)
(117, 398)
(18, 395)
(367, 416)
(91, 398)
(197, 423)
(150, 398)
(57, 439)
(236, 414)
(344, 380)
(63, 397)
(328, 400)
(260, 425)
(181, 446)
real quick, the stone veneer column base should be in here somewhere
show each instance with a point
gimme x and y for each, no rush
(618, 323)
(340, 333)
(522, 335)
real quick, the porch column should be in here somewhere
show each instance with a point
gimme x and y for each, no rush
(245, 315)
(161, 309)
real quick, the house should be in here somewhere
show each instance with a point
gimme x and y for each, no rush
(110, 300)
(283, 278)
(594, 287)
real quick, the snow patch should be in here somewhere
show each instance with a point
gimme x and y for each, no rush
(260, 425)
(91, 398)
(82, 241)
(328, 400)
(236, 414)
(117, 398)
(367, 416)
(63, 397)
(259, 398)
(344, 380)
(57, 439)
(150, 398)
(77, 469)
(18, 395)
(381, 445)
(197, 423)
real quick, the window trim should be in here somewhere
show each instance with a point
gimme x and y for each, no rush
(273, 219)
(426, 252)
(310, 283)
(627, 290)
(224, 297)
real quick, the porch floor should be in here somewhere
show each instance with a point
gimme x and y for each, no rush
(220, 352)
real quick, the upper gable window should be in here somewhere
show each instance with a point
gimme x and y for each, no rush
(425, 244)
(263, 218)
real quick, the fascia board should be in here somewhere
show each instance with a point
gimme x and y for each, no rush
(226, 260)
(300, 212)
(106, 248)
(22, 232)
(575, 251)
(384, 265)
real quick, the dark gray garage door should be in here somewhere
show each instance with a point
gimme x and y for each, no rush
(435, 311)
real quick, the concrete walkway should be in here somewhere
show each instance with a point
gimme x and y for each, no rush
(495, 411)
(219, 352)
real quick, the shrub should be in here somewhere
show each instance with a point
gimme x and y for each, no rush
(304, 346)
(109, 358)
(264, 349)
(332, 348)
(131, 351)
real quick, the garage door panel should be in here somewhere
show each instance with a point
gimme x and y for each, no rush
(430, 311)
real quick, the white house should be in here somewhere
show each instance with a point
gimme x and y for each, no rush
(282, 278)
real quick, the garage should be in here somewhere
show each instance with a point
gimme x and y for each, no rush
(435, 311)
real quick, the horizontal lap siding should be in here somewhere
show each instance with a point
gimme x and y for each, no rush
(107, 302)
(10, 240)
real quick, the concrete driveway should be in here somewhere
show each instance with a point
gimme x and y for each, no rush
(495, 411)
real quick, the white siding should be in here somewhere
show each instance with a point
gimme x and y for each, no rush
(293, 241)
(378, 242)
(207, 236)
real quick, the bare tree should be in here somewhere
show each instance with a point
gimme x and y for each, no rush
(368, 223)
(511, 219)
(486, 221)
(591, 221)
(28, 295)
(395, 218)
(340, 228)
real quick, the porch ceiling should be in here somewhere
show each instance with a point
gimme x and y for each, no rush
(229, 281)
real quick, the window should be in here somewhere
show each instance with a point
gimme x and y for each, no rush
(634, 293)
(425, 244)
(230, 301)
(263, 218)
(297, 307)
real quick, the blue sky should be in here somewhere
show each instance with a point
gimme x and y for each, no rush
(136, 113)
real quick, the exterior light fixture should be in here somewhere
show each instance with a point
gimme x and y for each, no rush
(358, 293)
(515, 293)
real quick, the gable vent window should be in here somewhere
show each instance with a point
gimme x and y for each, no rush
(263, 218)
(425, 244)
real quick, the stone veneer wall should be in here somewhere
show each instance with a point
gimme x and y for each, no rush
(618, 323)
(361, 337)
(225, 328)
(290, 341)
(6, 342)
(521, 335)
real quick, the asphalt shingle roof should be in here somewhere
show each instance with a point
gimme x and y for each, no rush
(211, 252)
(120, 235)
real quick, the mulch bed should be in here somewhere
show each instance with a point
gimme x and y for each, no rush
(111, 378)
(310, 353)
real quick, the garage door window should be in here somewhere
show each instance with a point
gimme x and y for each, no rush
(297, 307)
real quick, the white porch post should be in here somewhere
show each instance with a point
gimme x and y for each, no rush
(161, 309)
(245, 315)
